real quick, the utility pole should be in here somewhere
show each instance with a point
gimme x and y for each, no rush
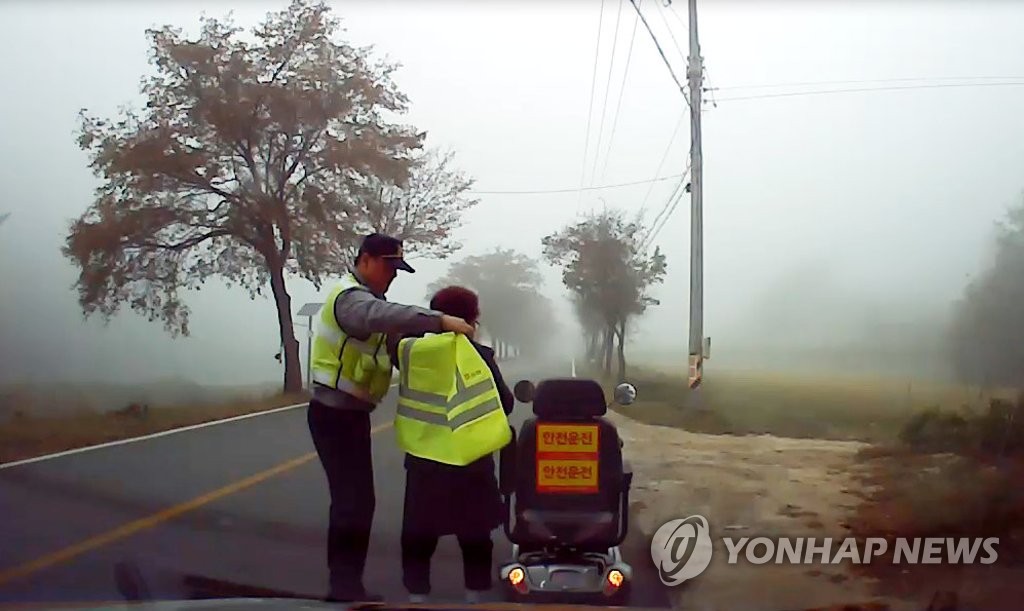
(695, 76)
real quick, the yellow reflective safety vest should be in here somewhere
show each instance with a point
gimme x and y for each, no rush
(360, 368)
(449, 409)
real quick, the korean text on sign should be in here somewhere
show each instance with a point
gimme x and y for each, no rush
(567, 458)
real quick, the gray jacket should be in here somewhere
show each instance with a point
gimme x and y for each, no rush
(361, 313)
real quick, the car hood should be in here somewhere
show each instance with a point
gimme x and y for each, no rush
(292, 604)
(312, 604)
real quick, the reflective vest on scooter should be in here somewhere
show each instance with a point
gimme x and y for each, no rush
(449, 410)
(360, 368)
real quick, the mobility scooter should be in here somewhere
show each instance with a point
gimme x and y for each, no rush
(565, 487)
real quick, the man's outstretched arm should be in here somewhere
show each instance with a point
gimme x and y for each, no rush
(359, 313)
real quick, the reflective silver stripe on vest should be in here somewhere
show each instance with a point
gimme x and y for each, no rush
(466, 417)
(462, 395)
(474, 413)
(417, 414)
(419, 396)
(344, 386)
(321, 329)
(321, 377)
(331, 333)
(335, 335)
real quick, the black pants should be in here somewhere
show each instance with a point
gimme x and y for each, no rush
(342, 440)
(418, 549)
(442, 500)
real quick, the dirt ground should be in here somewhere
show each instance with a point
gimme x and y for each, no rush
(747, 487)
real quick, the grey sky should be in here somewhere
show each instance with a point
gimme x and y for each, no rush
(889, 195)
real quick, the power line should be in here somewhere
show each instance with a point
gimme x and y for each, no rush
(673, 201)
(607, 90)
(590, 110)
(545, 191)
(790, 94)
(711, 90)
(866, 81)
(664, 156)
(622, 90)
(668, 27)
(682, 91)
(672, 9)
(667, 210)
(669, 206)
(658, 46)
(654, 235)
(661, 213)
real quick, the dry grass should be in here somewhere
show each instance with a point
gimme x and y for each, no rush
(912, 495)
(844, 408)
(939, 495)
(953, 473)
(25, 436)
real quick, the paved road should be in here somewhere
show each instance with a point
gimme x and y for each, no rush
(242, 502)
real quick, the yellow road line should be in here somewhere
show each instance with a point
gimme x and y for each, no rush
(165, 515)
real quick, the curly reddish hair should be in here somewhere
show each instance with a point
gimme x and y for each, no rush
(457, 301)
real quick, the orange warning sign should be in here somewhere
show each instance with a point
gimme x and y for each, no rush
(567, 458)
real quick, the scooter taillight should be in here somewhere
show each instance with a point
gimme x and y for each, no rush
(613, 581)
(517, 577)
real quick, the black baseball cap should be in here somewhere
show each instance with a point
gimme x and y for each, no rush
(386, 247)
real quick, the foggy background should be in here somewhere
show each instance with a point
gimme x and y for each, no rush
(843, 223)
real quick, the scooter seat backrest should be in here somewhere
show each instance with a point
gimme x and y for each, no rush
(565, 479)
(568, 468)
(568, 399)
(568, 465)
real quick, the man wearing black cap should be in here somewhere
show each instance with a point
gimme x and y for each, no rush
(352, 373)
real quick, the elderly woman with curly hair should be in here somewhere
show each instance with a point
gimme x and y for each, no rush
(443, 499)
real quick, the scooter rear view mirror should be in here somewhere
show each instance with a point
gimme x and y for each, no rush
(625, 394)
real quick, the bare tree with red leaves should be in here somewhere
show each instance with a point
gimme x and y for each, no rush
(254, 159)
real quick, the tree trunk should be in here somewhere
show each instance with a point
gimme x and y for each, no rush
(622, 350)
(292, 365)
(592, 346)
(609, 344)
